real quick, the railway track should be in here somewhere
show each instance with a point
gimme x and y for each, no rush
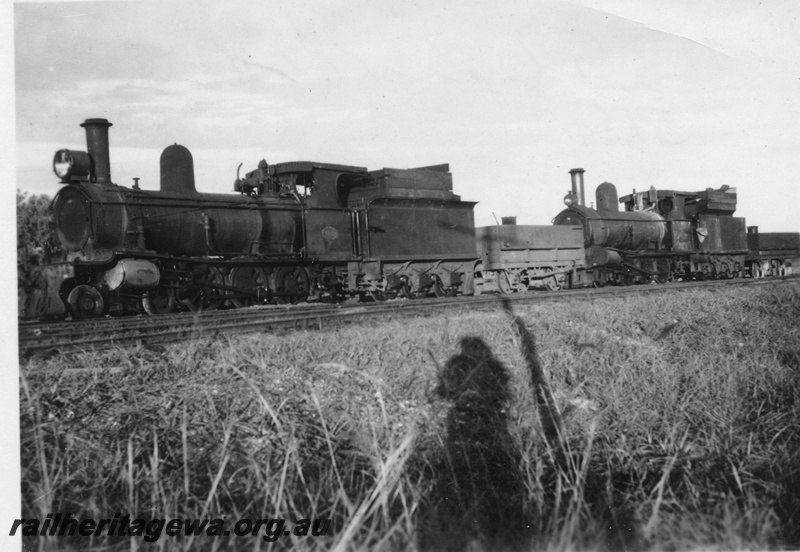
(76, 336)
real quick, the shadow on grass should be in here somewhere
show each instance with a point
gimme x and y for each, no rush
(478, 490)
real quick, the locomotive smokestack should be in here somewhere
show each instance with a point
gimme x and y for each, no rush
(577, 185)
(97, 144)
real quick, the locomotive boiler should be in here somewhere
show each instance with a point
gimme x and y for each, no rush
(97, 219)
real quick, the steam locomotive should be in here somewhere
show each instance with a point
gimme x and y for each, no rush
(302, 230)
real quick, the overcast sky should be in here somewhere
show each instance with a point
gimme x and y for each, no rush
(678, 95)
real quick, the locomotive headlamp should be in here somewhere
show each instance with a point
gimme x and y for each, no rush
(72, 165)
(570, 199)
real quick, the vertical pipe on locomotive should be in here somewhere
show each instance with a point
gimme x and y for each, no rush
(97, 144)
(577, 185)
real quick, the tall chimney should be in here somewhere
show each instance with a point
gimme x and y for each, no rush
(97, 144)
(577, 185)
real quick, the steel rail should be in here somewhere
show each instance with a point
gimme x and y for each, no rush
(86, 335)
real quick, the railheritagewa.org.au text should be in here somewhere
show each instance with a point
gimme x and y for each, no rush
(122, 525)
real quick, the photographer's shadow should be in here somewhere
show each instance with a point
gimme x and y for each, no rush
(478, 489)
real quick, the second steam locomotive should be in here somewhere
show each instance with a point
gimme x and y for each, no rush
(302, 229)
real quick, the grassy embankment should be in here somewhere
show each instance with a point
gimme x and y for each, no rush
(681, 427)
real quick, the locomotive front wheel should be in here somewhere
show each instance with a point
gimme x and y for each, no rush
(291, 284)
(85, 302)
(159, 301)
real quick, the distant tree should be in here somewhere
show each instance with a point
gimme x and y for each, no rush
(36, 241)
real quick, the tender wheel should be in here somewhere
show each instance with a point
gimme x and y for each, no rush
(201, 293)
(439, 290)
(159, 301)
(410, 291)
(250, 280)
(503, 283)
(378, 296)
(86, 302)
(478, 287)
(291, 284)
(419, 292)
(405, 290)
(436, 288)
(338, 292)
(551, 283)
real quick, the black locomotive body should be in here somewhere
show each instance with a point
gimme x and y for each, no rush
(660, 236)
(301, 230)
(294, 230)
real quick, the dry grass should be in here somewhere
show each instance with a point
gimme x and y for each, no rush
(681, 429)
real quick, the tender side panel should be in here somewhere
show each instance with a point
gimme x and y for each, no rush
(723, 233)
(419, 228)
(406, 183)
(512, 246)
(780, 243)
(733, 234)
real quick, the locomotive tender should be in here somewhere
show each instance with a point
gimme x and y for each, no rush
(304, 229)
